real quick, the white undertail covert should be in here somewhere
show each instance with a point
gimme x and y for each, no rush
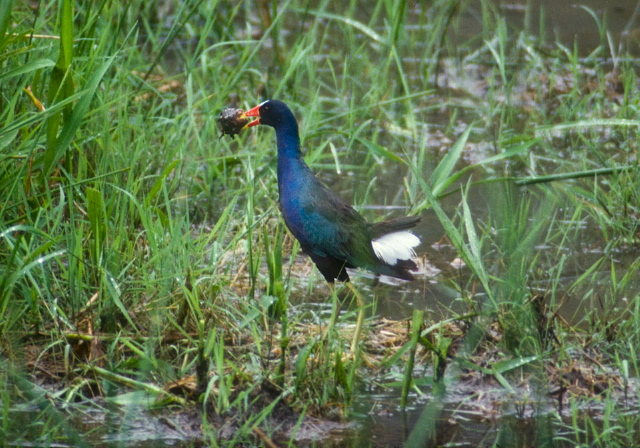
(395, 246)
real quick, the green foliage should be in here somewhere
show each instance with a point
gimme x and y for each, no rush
(416, 326)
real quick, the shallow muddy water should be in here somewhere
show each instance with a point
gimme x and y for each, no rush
(570, 22)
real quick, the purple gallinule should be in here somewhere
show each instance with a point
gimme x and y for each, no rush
(329, 230)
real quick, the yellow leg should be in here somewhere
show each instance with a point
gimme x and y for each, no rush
(328, 332)
(359, 320)
(335, 308)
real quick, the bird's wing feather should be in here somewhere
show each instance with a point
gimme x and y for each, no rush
(332, 226)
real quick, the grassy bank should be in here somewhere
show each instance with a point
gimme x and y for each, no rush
(144, 263)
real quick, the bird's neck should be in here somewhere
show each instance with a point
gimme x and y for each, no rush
(290, 161)
(288, 142)
(294, 175)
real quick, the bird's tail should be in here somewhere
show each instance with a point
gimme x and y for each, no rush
(379, 229)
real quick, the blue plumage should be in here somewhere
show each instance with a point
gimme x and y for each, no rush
(329, 230)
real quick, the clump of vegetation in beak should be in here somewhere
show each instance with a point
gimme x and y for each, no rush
(231, 121)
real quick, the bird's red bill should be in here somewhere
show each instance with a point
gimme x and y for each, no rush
(255, 112)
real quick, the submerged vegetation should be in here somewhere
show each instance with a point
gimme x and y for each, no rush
(145, 269)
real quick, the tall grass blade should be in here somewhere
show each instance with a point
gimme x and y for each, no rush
(115, 293)
(351, 22)
(574, 175)
(61, 81)
(248, 57)
(5, 18)
(159, 182)
(604, 122)
(71, 125)
(425, 428)
(12, 125)
(416, 326)
(472, 237)
(27, 68)
(97, 219)
(440, 176)
(507, 154)
(398, 20)
(471, 256)
(380, 150)
(178, 24)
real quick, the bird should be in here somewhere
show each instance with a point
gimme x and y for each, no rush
(329, 230)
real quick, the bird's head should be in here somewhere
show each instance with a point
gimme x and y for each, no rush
(272, 113)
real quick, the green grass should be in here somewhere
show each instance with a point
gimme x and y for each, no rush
(138, 249)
